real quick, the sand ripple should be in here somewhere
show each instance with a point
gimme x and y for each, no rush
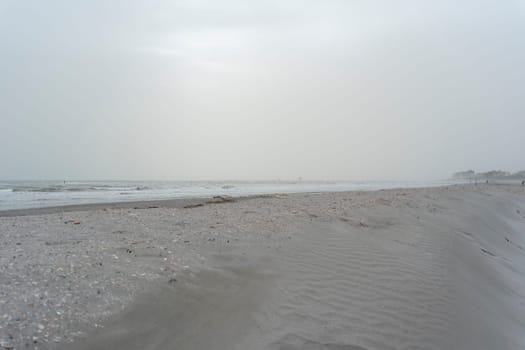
(342, 287)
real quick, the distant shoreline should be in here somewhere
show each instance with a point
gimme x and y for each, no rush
(198, 201)
(37, 194)
(143, 204)
(178, 203)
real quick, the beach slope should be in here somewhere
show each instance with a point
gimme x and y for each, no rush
(432, 268)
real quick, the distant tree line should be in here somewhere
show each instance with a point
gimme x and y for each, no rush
(493, 174)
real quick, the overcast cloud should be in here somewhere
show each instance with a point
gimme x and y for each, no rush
(356, 90)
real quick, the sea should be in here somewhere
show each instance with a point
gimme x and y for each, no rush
(37, 194)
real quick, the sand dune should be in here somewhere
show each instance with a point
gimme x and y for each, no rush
(437, 268)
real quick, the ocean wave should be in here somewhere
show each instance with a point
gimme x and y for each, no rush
(52, 189)
(49, 189)
(37, 189)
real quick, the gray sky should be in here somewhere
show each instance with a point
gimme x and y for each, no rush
(260, 89)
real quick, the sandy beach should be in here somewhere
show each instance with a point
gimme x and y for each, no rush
(429, 268)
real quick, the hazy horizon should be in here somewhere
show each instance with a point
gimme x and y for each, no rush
(276, 179)
(246, 90)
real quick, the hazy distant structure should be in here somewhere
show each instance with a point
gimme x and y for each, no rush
(489, 175)
(469, 174)
(520, 174)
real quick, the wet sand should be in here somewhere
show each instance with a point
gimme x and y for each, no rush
(435, 268)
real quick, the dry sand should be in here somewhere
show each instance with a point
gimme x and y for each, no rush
(436, 268)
